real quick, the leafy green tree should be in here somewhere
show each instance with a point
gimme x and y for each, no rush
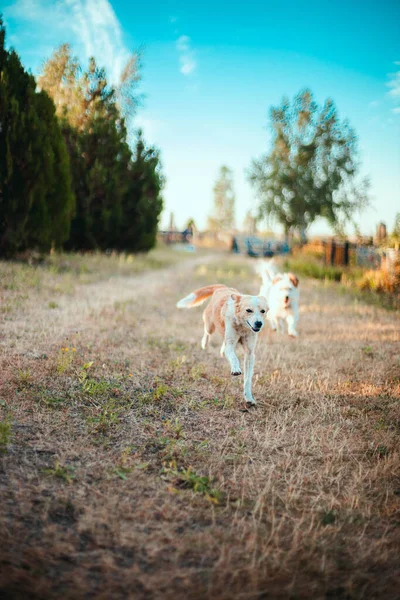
(191, 224)
(223, 216)
(36, 199)
(311, 170)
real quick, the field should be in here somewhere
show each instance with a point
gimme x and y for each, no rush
(129, 467)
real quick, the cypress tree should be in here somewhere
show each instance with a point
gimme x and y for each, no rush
(36, 199)
(118, 195)
(142, 203)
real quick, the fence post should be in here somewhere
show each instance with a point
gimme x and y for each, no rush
(333, 252)
(346, 253)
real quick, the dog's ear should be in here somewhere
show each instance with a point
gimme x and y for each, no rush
(294, 279)
(235, 298)
(276, 279)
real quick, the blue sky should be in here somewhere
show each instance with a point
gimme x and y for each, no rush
(211, 70)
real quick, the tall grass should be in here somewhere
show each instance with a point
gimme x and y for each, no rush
(374, 287)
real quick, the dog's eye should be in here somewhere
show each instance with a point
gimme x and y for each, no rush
(262, 311)
(248, 310)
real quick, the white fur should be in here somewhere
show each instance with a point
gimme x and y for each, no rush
(186, 302)
(276, 287)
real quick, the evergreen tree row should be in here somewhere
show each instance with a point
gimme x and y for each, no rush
(68, 178)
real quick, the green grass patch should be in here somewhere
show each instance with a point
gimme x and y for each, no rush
(59, 471)
(186, 478)
(347, 277)
(5, 435)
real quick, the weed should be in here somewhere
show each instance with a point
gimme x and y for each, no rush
(5, 435)
(122, 472)
(367, 350)
(24, 377)
(198, 372)
(382, 451)
(229, 402)
(176, 428)
(65, 359)
(328, 518)
(381, 424)
(64, 472)
(177, 363)
(189, 479)
(218, 380)
(95, 387)
(211, 402)
(160, 391)
(142, 466)
(53, 304)
(51, 401)
(172, 449)
(106, 418)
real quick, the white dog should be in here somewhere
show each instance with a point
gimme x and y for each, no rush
(282, 294)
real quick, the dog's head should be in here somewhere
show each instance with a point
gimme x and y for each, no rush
(250, 311)
(286, 288)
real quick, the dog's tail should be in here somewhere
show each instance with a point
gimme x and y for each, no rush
(267, 270)
(199, 296)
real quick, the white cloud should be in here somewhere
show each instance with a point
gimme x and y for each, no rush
(183, 43)
(374, 104)
(186, 55)
(91, 26)
(188, 65)
(394, 84)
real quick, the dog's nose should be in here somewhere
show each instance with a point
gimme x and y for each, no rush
(287, 298)
(258, 324)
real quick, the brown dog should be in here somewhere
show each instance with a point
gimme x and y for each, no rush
(238, 318)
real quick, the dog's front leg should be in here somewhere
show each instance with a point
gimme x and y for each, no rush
(272, 321)
(281, 325)
(291, 323)
(249, 359)
(230, 342)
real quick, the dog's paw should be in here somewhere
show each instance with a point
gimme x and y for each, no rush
(293, 334)
(236, 372)
(250, 403)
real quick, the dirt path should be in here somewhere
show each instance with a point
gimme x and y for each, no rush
(131, 472)
(35, 325)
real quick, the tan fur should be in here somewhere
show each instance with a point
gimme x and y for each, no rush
(238, 318)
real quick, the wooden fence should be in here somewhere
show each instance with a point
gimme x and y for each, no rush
(338, 253)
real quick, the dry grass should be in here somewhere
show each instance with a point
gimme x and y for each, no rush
(130, 470)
